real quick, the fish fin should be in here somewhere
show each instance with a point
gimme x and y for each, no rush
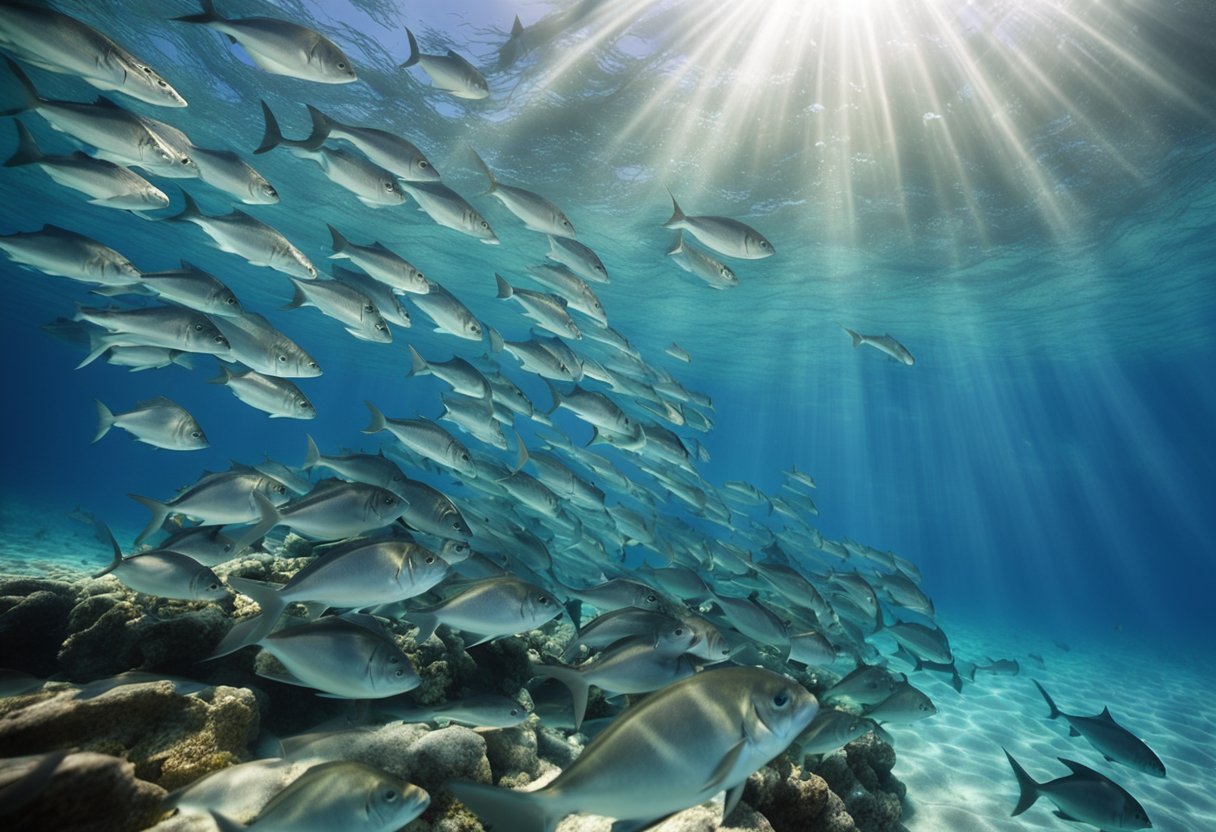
(678, 247)
(105, 420)
(506, 809)
(732, 800)
(207, 15)
(312, 457)
(322, 125)
(117, 561)
(1073, 732)
(269, 519)
(418, 365)
(426, 624)
(522, 458)
(159, 512)
(676, 214)
(414, 56)
(29, 95)
(259, 626)
(571, 678)
(224, 377)
(1062, 815)
(504, 288)
(377, 419)
(855, 336)
(555, 396)
(486, 170)
(314, 609)
(517, 28)
(27, 149)
(496, 342)
(272, 136)
(223, 823)
(338, 241)
(189, 212)
(1055, 712)
(298, 299)
(1029, 789)
(724, 767)
(1106, 715)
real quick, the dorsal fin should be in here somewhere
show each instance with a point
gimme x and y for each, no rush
(1106, 715)
(108, 103)
(1081, 770)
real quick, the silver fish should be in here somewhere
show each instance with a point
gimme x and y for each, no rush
(384, 148)
(350, 307)
(572, 288)
(389, 305)
(829, 730)
(216, 499)
(488, 710)
(281, 47)
(57, 251)
(276, 396)
(1115, 742)
(882, 343)
(537, 213)
(696, 262)
(385, 266)
(450, 210)
(225, 170)
(449, 72)
(491, 609)
(424, 437)
(156, 326)
(448, 313)
(463, 377)
(1084, 796)
(906, 705)
(158, 422)
(56, 42)
(368, 468)
(194, 288)
(240, 234)
(261, 347)
(679, 353)
(577, 258)
(164, 573)
(723, 234)
(333, 509)
(547, 310)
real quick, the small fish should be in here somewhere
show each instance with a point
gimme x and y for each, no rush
(157, 422)
(216, 499)
(450, 209)
(164, 573)
(723, 234)
(206, 544)
(368, 468)
(448, 313)
(572, 289)
(387, 302)
(997, 667)
(578, 258)
(463, 377)
(537, 213)
(56, 42)
(882, 343)
(240, 234)
(281, 47)
(906, 705)
(679, 747)
(276, 396)
(549, 311)
(1116, 743)
(194, 288)
(225, 170)
(424, 437)
(385, 266)
(350, 307)
(105, 183)
(386, 149)
(679, 353)
(450, 72)
(865, 685)
(261, 347)
(333, 509)
(154, 326)
(57, 251)
(829, 730)
(488, 710)
(487, 610)
(928, 643)
(1085, 796)
(696, 262)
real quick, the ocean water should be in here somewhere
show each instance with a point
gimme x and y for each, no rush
(1023, 194)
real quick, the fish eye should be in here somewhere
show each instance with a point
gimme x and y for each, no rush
(390, 795)
(341, 65)
(430, 559)
(198, 327)
(213, 587)
(230, 300)
(280, 489)
(220, 339)
(679, 631)
(424, 164)
(314, 365)
(651, 598)
(381, 327)
(196, 433)
(399, 673)
(485, 224)
(282, 358)
(464, 457)
(542, 599)
(390, 187)
(394, 660)
(781, 700)
(854, 726)
(515, 712)
(388, 501)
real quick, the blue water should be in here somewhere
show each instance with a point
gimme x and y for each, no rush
(1049, 461)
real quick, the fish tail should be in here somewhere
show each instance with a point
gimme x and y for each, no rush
(521, 457)
(426, 623)
(486, 170)
(252, 630)
(117, 552)
(855, 336)
(159, 510)
(298, 299)
(504, 288)
(555, 395)
(1055, 712)
(182, 359)
(99, 348)
(337, 242)
(377, 423)
(105, 420)
(190, 211)
(677, 216)
(418, 365)
(572, 679)
(272, 136)
(322, 126)
(27, 149)
(678, 246)
(224, 377)
(207, 15)
(496, 342)
(414, 56)
(509, 810)
(29, 95)
(1028, 787)
(269, 519)
(312, 457)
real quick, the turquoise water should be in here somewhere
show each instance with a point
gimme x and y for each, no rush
(1023, 195)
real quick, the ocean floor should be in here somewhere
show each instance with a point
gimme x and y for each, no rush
(957, 777)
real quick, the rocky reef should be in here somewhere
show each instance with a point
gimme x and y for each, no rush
(172, 718)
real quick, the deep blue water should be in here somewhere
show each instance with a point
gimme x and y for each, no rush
(1049, 461)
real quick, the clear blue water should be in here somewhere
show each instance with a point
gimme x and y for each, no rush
(1046, 255)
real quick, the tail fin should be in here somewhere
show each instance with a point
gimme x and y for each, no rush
(114, 564)
(426, 623)
(27, 149)
(677, 216)
(313, 456)
(181, 359)
(322, 126)
(269, 519)
(571, 678)
(486, 170)
(1028, 787)
(506, 809)
(414, 56)
(1055, 712)
(378, 422)
(159, 510)
(298, 299)
(272, 136)
(29, 95)
(224, 377)
(105, 420)
(496, 342)
(252, 630)
(855, 336)
(208, 14)
(339, 243)
(556, 395)
(418, 365)
(504, 288)
(189, 212)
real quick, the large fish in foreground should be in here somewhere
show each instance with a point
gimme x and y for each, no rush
(883, 343)
(1084, 796)
(1115, 742)
(679, 747)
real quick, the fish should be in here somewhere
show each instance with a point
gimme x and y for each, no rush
(373, 469)
(928, 643)
(448, 313)
(206, 544)
(226, 171)
(449, 72)
(333, 509)
(997, 667)
(1084, 796)
(1112, 740)
(261, 347)
(158, 422)
(385, 266)
(487, 610)
(277, 396)
(154, 326)
(450, 209)
(595, 409)
(217, 499)
(698, 263)
(463, 377)
(350, 307)
(829, 730)
(240, 234)
(424, 437)
(571, 288)
(578, 258)
(723, 234)
(679, 747)
(106, 184)
(549, 311)
(537, 213)
(63, 253)
(386, 149)
(905, 705)
(536, 357)
(59, 43)
(488, 710)
(883, 343)
(194, 288)
(164, 573)
(679, 353)
(281, 47)
(864, 685)
(387, 302)
(475, 416)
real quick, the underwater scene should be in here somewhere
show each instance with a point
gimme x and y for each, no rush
(596, 415)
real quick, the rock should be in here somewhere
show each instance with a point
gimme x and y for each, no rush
(861, 776)
(513, 752)
(33, 626)
(452, 753)
(91, 793)
(790, 803)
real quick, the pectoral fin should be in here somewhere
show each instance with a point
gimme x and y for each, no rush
(723, 770)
